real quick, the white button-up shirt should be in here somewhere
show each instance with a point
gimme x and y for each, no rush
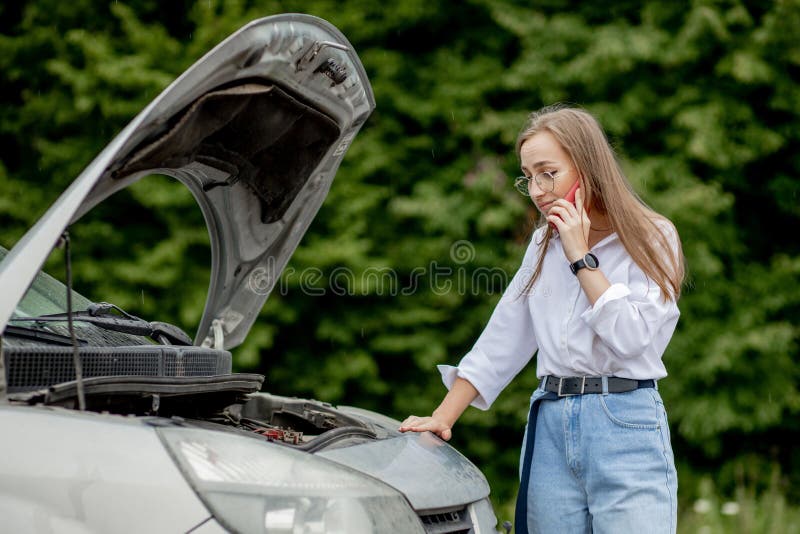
(624, 334)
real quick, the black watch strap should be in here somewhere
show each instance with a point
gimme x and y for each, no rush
(589, 261)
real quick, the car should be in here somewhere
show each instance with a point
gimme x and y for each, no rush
(115, 423)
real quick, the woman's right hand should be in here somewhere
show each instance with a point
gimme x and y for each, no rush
(433, 424)
(445, 416)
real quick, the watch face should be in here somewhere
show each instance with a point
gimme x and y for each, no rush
(591, 261)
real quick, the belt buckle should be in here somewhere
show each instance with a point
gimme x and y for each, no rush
(561, 384)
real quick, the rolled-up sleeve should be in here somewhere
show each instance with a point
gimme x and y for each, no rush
(634, 320)
(504, 347)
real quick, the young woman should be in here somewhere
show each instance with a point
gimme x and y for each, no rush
(595, 298)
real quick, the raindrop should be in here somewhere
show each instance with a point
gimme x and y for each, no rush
(433, 154)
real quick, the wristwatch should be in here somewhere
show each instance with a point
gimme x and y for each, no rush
(589, 261)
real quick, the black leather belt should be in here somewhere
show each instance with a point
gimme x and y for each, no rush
(581, 385)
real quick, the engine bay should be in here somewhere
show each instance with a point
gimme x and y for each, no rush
(230, 402)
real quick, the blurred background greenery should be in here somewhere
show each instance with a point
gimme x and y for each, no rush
(700, 99)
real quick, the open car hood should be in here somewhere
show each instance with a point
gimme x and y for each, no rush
(256, 129)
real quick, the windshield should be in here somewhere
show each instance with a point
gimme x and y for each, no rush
(47, 296)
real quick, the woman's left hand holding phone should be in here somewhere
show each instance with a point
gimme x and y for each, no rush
(572, 222)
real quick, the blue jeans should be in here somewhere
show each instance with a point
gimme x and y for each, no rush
(602, 464)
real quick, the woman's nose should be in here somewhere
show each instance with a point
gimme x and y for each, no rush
(534, 190)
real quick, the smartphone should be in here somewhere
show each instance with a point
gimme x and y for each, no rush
(570, 197)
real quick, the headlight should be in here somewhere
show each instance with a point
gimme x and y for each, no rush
(482, 516)
(255, 487)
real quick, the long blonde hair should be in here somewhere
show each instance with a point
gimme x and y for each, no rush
(643, 232)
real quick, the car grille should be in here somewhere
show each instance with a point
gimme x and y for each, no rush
(455, 521)
(32, 368)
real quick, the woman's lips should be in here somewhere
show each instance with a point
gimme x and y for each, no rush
(544, 207)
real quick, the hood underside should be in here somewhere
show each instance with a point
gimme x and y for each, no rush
(271, 156)
(256, 130)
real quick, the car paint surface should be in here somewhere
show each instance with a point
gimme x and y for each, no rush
(429, 472)
(67, 471)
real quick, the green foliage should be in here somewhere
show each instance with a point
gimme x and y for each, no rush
(747, 510)
(699, 99)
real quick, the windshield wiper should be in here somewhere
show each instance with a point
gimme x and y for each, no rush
(37, 334)
(110, 317)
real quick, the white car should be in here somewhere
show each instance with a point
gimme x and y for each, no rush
(121, 424)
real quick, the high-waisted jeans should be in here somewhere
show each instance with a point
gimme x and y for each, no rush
(602, 464)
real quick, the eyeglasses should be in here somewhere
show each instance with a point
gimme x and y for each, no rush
(546, 180)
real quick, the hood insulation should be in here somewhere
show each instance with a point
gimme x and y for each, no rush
(256, 133)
